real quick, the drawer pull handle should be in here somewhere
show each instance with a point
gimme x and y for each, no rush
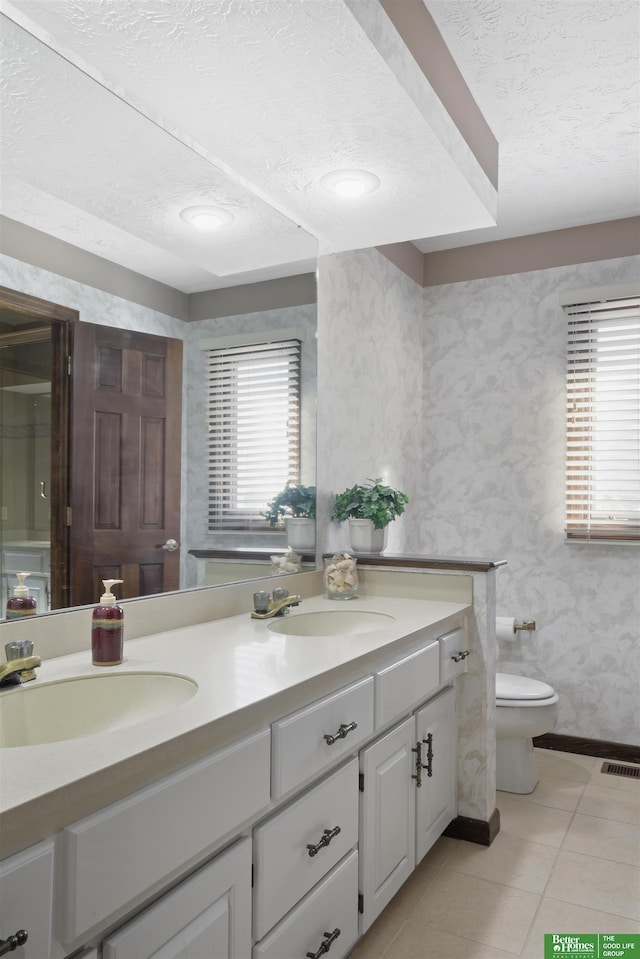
(341, 734)
(461, 654)
(325, 945)
(12, 943)
(327, 836)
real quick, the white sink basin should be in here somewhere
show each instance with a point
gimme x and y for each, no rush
(339, 622)
(83, 706)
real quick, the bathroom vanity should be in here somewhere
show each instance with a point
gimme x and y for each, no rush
(272, 814)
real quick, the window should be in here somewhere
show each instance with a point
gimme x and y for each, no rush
(254, 429)
(603, 421)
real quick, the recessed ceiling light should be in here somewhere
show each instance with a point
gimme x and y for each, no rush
(350, 184)
(206, 217)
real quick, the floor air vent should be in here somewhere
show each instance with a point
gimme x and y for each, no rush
(613, 769)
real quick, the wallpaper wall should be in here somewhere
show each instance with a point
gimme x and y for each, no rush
(481, 454)
(493, 484)
(369, 384)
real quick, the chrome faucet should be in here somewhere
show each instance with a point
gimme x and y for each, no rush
(266, 607)
(20, 665)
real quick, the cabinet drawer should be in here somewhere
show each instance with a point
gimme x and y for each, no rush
(453, 645)
(123, 851)
(26, 896)
(331, 905)
(284, 869)
(406, 683)
(300, 746)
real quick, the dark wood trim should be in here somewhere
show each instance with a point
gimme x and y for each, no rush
(400, 561)
(474, 830)
(33, 306)
(603, 749)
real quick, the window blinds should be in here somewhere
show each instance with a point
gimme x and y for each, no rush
(603, 421)
(254, 429)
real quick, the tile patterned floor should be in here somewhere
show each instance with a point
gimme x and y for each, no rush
(567, 859)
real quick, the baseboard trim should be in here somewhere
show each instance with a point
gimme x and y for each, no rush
(621, 752)
(474, 830)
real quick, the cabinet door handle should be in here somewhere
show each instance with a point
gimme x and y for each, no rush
(417, 749)
(429, 763)
(343, 729)
(12, 943)
(327, 836)
(460, 655)
(325, 945)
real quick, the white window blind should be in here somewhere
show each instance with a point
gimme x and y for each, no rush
(254, 429)
(603, 421)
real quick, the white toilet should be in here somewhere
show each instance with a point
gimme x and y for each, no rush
(524, 708)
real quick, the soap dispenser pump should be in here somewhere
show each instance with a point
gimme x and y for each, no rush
(20, 604)
(107, 628)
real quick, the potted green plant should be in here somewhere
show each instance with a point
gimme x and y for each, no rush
(296, 507)
(369, 507)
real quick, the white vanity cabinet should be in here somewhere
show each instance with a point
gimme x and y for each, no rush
(26, 899)
(208, 914)
(407, 799)
(283, 844)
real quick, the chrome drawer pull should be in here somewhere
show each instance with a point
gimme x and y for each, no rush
(325, 945)
(341, 734)
(12, 943)
(327, 836)
(462, 654)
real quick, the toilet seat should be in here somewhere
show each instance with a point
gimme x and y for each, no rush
(516, 691)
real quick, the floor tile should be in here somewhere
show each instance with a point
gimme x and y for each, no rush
(416, 941)
(598, 778)
(622, 805)
(555, 916)
(551, 762)
(408, 896)
(532, 821)
(596, 884)
(509, 860)
(374, 944)
(551, 791)
(440, 852)
(605, 838)
(477, 909)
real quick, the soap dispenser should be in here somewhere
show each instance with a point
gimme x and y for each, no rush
(20, 604)
(107, 628)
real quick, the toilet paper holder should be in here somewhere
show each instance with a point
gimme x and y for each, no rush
(527, 625)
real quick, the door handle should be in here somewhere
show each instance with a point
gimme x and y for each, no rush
(171, 546)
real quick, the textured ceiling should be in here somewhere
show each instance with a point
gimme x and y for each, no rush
(559, 83)
(117, 114)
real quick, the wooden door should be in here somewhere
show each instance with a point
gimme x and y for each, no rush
(125, 462)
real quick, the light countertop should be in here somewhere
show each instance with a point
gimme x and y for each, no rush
(247, 676)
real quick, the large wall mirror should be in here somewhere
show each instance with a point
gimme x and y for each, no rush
(48, 449)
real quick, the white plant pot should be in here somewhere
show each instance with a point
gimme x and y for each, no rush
(364, 538)
(301, 532)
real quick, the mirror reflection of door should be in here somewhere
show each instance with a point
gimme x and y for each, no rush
(125, 462)
(34, 446)
(104, 505)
